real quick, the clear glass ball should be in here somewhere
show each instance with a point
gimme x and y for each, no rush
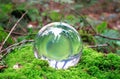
(59, 44)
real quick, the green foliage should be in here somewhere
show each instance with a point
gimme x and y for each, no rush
(31, 35)
(3, 35)
(33, 11)
(5, 9)
(86, 37)
(34, 14)
(80, 4)
(7, 19)
(93, 65)
(22, 6)
(101, 27)
(55, 16)
(71, 19)
(75, 22)
(113, 44)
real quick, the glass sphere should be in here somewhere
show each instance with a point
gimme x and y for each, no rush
(59, 44)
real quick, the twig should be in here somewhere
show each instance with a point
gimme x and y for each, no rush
(14, 45)
(16, 33)
(12, 30)
(23, 29)
(100, 45)
(2, 67)
(107, 37)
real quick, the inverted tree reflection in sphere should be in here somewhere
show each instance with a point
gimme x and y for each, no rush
(59, 44)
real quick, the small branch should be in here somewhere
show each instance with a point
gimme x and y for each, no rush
(16, 33)
(12, 46)
(107, 37)
(12, 30)
(100, 45)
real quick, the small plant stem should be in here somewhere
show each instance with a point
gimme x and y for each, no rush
(100, 45)
(12, 30)
(12, 46)
(107, 37)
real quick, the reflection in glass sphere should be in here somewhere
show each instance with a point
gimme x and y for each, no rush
(59, 44)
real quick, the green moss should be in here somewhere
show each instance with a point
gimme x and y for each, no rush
(3, 35)
(93, 65)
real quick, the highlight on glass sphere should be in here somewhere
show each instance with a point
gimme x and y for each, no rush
(58, 43)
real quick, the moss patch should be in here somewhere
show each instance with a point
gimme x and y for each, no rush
(93, 65)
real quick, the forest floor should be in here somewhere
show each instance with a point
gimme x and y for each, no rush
(100, 11)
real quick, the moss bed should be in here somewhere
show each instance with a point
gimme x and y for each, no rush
(93, 65)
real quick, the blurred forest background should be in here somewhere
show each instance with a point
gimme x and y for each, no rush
(97, 21)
